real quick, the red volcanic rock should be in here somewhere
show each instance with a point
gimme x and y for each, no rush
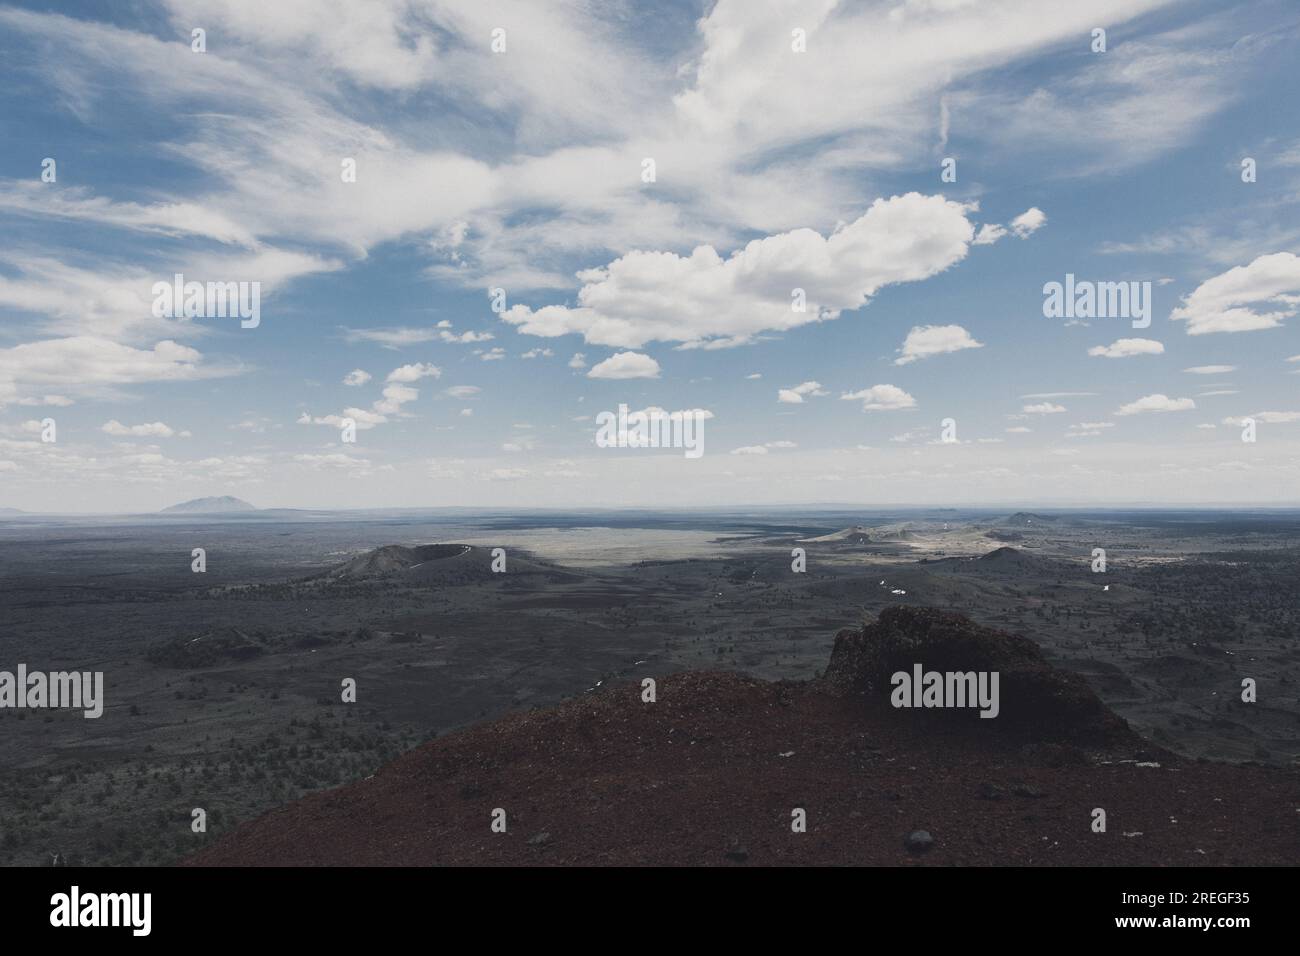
(714, 771)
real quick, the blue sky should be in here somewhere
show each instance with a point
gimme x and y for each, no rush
(523, 170)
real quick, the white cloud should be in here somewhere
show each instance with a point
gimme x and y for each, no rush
(149, 430)
(89, 364)
(78, 203)
(578, 361)
(795, 396)
(356, 377)
(926, 340)
(334, 460)
(462, 391)
(762, 449)
(1156, 403)
(1043, 408)
(704, 300)
(881, 398)
(1088, 429)
(394, 397)
(468, 337)
(391, 338)
(1228, 302)
(626, 365)
(1028, 222)
(1211, 369)
(55, 401)
(1268, 418)
(364, 419)
(414, 372)
(1125, 348)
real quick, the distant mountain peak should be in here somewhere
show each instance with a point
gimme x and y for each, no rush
(223, 504)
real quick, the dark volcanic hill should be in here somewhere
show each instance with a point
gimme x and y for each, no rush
(224, 504)
(1007, 556)
(1026, 519)
(712, 771)
(435, 565)
(395, 557)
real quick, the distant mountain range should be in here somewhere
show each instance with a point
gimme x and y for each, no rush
(224, 504)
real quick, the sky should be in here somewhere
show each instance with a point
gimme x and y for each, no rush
(828, 229)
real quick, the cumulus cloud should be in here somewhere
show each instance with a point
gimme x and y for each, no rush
(1028, 222)
(364, 419)
(704, 300)
(881, 398)
(414, 372)
(926, 340)
(795, 396)
(1043, 408)
(394, 397)
(149, 430)
(397, 392)
(467, 337)
(356, 377)
(1126, 348)
(89, 363)
(1156, 403)
(626, 365)
(578, 361)
(1245, 298)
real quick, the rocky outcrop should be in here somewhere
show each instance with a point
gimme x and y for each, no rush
(1035, 698)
